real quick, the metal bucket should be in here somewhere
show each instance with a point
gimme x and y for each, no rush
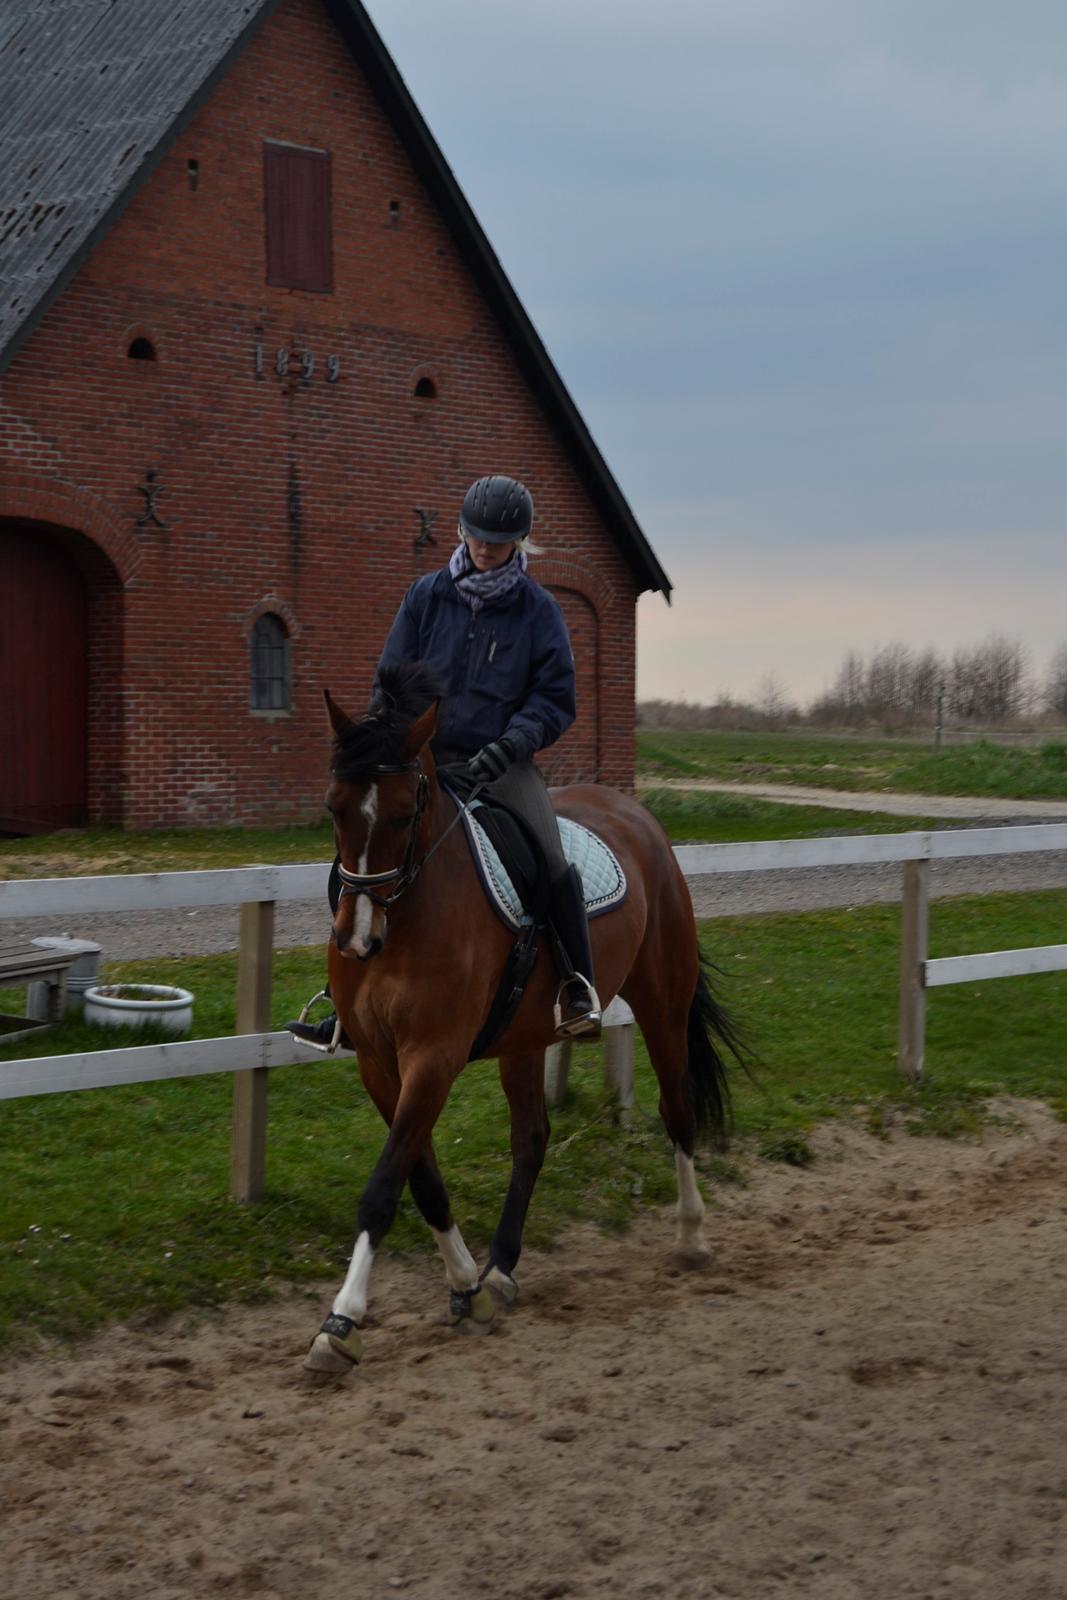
(81, 975)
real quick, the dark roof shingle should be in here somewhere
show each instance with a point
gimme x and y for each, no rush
(90, 92)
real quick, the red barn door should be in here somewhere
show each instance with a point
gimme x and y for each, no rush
(43, 672)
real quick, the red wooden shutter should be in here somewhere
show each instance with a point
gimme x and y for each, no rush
(296, 197)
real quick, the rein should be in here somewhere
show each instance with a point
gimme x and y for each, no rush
(405, 874)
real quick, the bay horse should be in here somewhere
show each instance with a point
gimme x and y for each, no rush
(415, 957)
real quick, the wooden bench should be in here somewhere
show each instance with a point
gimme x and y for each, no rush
(22, 962)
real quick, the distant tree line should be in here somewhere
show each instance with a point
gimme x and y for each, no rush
(894, 687)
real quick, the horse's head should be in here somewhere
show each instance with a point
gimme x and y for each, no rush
(380, 780)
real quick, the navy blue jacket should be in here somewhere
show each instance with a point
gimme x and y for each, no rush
(508, 666)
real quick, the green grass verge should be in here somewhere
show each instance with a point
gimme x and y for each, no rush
(91, 851)
(114, 1201)
(845, 761)
(693, 816)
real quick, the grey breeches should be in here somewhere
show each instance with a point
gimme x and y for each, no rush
(523, 789)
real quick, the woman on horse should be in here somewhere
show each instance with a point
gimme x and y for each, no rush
(499, 643)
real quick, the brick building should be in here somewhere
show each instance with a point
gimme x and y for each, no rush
(253, 347)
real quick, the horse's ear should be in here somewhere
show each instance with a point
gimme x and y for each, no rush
(422, 731)
(338, 721)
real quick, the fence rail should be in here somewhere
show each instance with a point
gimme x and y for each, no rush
(254, 1049)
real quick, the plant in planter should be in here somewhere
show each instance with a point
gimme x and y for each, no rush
(131, 1005)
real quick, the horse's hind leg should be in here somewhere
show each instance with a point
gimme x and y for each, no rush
(524, 1084)
(664, 1023)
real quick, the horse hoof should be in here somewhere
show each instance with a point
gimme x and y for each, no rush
(473, 1308)
(469, 1329)
(336, 1348)
(691, 1257)
(322, 1357)
(502, 1287)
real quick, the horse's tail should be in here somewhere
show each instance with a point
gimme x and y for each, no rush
(711, 1032)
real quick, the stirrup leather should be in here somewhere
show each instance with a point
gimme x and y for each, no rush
(313, 1044)
(587, 1025)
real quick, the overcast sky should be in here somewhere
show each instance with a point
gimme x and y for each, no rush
(802, 265)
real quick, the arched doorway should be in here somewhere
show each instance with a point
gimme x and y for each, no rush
(576, 758)
(60, 601)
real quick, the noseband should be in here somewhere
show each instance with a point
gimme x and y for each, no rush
(405, 874)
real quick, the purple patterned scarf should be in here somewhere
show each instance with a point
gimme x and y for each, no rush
(483, 588)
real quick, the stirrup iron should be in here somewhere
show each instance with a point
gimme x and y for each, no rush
(314, 1044)
(585, 1026)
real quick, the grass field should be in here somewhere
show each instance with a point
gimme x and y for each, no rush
(114, 1201)
(844, 761)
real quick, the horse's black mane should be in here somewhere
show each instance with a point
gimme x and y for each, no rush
(400, 697)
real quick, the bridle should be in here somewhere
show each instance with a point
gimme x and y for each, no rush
(405, 874)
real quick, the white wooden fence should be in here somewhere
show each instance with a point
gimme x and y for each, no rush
(254, 1049)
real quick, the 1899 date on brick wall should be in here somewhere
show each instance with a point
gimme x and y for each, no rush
(305, 364)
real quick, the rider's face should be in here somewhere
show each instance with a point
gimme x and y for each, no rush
(487, 557)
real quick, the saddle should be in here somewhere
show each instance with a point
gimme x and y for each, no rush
(514, 875)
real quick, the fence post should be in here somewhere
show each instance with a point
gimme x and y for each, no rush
(619, 1030)
(914, 939)
(248, 1147)
(557, 1072)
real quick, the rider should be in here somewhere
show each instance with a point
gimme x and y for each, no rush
(499, 642)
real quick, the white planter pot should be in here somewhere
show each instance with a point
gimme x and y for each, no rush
(129, 1005)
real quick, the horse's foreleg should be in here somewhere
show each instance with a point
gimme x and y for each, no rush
(431, 1197)
(524, 1084)
(337, 1346)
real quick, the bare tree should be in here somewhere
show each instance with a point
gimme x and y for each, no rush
(927, 676)
(1055, 690)
(989, 682)
(772, 700)
(889, 681)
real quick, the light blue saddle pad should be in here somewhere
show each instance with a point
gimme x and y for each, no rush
(603, 879)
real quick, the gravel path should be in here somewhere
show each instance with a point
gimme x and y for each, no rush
(970, 808)
(210, 930)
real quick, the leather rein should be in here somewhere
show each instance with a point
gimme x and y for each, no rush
(403, 876)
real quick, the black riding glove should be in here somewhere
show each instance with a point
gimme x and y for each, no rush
(491, 762)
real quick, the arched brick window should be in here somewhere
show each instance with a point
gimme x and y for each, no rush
(271, 683)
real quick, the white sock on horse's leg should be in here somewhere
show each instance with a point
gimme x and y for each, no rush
(460, 1269)
(351, 1301)
(690, 1239)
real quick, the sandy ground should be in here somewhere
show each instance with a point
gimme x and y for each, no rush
(863, 1396)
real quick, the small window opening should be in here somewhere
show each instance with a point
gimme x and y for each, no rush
(426, 389)
(193, 169)
(141, 349)
(271, 665)
(394, 213)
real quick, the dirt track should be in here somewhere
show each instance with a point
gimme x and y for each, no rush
(864, 1396)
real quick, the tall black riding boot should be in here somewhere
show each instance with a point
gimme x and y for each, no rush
(577, 1004)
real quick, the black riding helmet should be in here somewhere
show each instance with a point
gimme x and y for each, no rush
(497, 510)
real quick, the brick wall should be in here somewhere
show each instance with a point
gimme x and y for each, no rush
(282, 492)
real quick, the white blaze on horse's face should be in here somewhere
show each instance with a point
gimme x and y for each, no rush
(363, 933)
